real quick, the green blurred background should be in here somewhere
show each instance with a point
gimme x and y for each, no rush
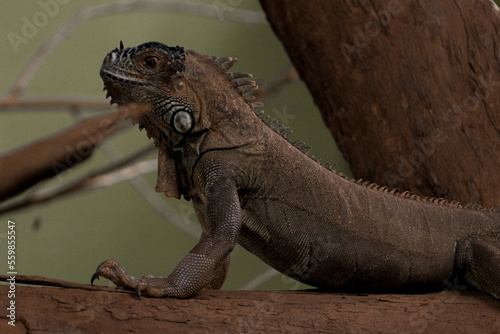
(68, 238)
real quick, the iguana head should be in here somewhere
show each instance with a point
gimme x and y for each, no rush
(196, 105)
(151, 73)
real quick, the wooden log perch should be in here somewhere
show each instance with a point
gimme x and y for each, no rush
(79, 308)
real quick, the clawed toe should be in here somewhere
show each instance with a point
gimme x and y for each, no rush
(104, 270)
(94, 277)
(138, 291)
(112, 270)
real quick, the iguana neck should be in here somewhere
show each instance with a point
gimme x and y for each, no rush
(231, 119)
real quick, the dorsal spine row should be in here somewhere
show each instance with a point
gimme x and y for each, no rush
(244, 85)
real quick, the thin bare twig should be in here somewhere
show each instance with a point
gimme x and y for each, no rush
(47, 281)
(180, 221)
(110, 174)
(53, 104)
(288, 76)
(264, 277)
(167, 210)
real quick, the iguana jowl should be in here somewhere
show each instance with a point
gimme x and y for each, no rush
(250, 185)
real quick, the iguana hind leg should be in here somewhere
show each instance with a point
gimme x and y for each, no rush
(482, 263)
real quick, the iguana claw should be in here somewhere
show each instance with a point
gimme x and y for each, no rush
(138, 291)
(94, 277)
(112, 270)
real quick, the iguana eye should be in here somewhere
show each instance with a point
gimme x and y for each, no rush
(151, 61)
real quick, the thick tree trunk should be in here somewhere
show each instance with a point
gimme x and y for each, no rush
(79, 308)
(409, 89)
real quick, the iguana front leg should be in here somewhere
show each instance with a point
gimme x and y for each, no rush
(150, 285)
(205, 266)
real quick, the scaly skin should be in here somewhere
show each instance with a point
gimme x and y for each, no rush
(250, 185)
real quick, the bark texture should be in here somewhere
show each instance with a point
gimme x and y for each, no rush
(79, 308)
(409, 89)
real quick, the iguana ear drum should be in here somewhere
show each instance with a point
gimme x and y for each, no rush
(182, 121)
(176, 114)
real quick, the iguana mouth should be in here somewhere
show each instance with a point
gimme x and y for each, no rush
(118, 99)
(113, 83)
(114, 99)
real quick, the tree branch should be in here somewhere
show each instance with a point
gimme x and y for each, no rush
(117, 172)
(48, 157)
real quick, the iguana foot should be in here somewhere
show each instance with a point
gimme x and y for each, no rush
(152, 286)
(148, 285)
(112, 270)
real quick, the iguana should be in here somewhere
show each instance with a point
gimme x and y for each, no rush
(250, 185)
